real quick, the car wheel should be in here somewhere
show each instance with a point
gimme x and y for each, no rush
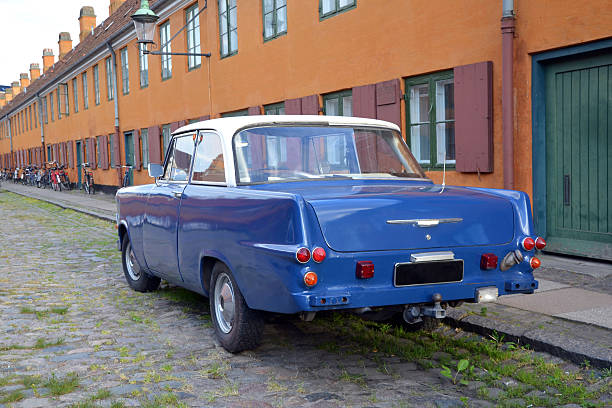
(138, 279)
(237, 326)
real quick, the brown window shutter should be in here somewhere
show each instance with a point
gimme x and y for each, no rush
(205, 117)
(254, 110)
(71, 154)
(92, 148)
(137, 149)
(83, 150)
(154, 145)
(65, 147)
(474, 117)
(364, 101)
(310, 105)
(116, 149)
(182, 123)
(174, 126)
(56, 152)
(388, 101)
(104, 152)
(293, 106)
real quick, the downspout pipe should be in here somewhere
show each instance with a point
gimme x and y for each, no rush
(116, 100)
(41, 123)
(507, 29)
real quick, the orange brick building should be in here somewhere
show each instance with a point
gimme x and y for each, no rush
(508, 94)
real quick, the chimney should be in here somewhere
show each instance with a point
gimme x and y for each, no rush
(8, 94)
(15, 88)
(114, 5)
(87, 21)
(48, 59)
(24, 79)
(34, 72)
(65, 44)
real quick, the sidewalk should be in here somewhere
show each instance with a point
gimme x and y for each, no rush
(569, 316)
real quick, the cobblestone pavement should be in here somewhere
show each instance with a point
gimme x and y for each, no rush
(73, 334)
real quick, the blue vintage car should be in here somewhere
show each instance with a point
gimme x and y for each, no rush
(299, 214)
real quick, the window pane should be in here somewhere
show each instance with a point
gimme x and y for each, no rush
(268, 25)
(419, 142)
(268, 6)
(144, 136)
(233, 19)
(347, 106)
(234, 41)
(328, 6)
(331, 107)
(223, 21)
(281, 110)
(222, 6)
(165, 137)
(181, 158)
(419, 104)
(224, 45)
(281, 20)
(445, 139)
(208, 164)
(346, 3)
(445, 102)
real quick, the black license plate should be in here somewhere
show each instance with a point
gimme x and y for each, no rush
(423, 273)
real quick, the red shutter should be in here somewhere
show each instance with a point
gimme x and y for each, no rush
(92, 144)
(388, 101)
(56, 152)
(310, 105)
(71, 154)
(154, 145)
(474, 117)
(174, 126)
(116, 150)
(182, 123)
(137, 149)
(364, 101)
(104, 152)
(293, 106)
(205, 117)
(83, 141)
(64, 154)
(254, 110)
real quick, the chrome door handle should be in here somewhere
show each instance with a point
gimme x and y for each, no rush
(177, 194)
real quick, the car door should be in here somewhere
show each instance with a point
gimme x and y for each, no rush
(162, 210)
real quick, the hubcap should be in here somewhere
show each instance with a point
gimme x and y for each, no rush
(224, 303)
(130, 263)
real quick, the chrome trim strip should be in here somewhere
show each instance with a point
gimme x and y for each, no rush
(432, 256)
(426, 222)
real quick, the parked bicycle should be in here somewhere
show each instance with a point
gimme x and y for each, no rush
(126, 176)
(88, 179)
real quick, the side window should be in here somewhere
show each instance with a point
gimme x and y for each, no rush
(208, 165)
(179, 160)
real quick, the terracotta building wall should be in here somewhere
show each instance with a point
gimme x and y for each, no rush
(374, 42)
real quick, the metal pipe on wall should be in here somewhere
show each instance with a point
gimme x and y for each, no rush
(507, 29)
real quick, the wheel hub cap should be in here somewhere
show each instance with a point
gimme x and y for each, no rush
(224, 303)
(132, 265)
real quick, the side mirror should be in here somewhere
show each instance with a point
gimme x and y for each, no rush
(155, 170)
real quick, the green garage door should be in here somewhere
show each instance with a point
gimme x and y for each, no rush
(579, 156)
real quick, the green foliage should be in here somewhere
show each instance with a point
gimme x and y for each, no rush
(62, 386)
(462, 365)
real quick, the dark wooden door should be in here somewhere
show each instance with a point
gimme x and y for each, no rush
(579, 156)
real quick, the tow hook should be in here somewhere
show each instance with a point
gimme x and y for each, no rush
(436, 311)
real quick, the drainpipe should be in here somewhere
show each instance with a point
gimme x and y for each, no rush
(116, 100)
(10, 137)
(42, 131)
(507, 29)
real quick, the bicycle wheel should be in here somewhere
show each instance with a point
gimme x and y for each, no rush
(86, 186)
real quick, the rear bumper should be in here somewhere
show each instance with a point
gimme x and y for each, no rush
(349, 298)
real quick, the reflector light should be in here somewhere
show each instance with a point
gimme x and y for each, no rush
(528, 244)
(318, 254)
(364, 270)
(535, 263)
(488, 261)
(540, 243)
(310, 279)
(302, 255)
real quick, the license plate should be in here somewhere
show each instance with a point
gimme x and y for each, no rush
(424, 273)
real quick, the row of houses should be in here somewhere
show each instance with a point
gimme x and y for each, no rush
(508, 94)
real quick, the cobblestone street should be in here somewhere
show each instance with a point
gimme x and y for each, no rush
(72, 333)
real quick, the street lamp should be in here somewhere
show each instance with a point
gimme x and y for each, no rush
(144, 21)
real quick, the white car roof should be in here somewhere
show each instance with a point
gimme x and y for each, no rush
(229, 125)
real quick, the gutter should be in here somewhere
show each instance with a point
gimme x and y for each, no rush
(507, 29)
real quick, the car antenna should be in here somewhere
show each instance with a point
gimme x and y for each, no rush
(444, 173)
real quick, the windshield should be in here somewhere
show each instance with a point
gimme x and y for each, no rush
(265, 154)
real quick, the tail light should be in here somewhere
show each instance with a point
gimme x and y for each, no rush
(488, 261)
(535, 263)
(540, 243)
(310, 279)
(318, 254)
(364, 270)
(528, 244)
(302, 255)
